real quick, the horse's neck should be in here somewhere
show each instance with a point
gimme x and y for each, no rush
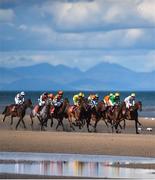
(23, 106)
(62, 108)
(45, 108)
(135, 107)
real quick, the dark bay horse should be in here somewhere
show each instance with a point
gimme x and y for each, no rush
(130, 114)
(113, 116)
(96, 113)
(19, 111)
(60, 113)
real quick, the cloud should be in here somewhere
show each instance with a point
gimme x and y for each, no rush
(146, 10)
(6, 15)
(126, 38)
(23, 27)
(77, 16)
(79, 33)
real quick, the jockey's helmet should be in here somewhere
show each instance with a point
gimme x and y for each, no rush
(111, 94)
(81, 94)
(22, 93)
(45, 94)
(93, 97)
(133, 95)
(117, 94)
(51, 96)
(60, 92)
(96, 95)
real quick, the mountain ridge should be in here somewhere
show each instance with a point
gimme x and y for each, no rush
(103, 76)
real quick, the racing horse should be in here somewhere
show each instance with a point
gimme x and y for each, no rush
(129, 114)
(17, 111)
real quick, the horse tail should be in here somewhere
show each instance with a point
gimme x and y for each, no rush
(5, 110)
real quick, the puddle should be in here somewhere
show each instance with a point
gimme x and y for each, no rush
(73, 165)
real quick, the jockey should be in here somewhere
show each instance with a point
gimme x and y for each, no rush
(130, 100)
(111, 99)
(90, 97)
(93, 100)
(19, 98)
(58, 99)
(51, 97)
(96, 97)
(106, 100)
(77, 97)
(117, 98)
(43, 99)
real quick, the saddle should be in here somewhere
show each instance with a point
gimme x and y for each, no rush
(14, 108)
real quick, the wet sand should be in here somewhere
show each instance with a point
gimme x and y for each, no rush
(51, 141)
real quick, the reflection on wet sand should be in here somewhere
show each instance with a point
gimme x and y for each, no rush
(71, 168)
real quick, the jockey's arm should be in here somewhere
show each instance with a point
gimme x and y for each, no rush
(133, 102)
(110, 103)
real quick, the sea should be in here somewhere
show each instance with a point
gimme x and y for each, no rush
(147, 98)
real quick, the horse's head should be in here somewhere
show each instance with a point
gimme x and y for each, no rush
(48, 102)
(83, 104)
(139, 105)
(28, 103)
(101, 106)
(66, 101)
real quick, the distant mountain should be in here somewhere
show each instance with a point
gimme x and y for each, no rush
(59, 73)
(104, 76)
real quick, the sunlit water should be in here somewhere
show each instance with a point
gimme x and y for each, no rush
(73, 165)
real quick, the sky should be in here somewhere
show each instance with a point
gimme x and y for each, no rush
(78, 33)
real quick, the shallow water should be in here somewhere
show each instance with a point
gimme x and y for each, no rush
(73, 165)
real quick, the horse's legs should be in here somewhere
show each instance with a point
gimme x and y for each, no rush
(23, 123)
(140, 124)
(58, 124)
(120, 126)
(61, 122)
(106, 123)
(4, 117)
(70, 119)
(51, 121)
(95, 125)
(112, 124)
(11, 120)
(41, 124)
(116, 126)
(44, 122)
(88, 123)
(18, 122)
(136, 125)
(124, 126)
(31, 117)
